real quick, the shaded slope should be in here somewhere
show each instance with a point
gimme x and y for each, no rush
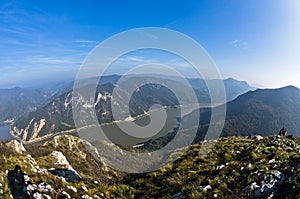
(264, 111)
(18, 101)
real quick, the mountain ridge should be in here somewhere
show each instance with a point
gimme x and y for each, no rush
(263, 111)
(18, 101)
(235, 167)
(38, 123)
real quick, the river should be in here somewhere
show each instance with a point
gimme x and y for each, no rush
(117, 136)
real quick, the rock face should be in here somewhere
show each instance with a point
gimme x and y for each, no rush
(65, 155)
(63, 167)
(61, 160)
(16, 146)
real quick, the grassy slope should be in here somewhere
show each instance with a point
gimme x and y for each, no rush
(244, 161)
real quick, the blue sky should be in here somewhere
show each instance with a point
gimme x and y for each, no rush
(257, 41)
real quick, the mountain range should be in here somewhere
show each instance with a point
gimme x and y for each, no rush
(56, 116)
(236, 166)
(263, 111)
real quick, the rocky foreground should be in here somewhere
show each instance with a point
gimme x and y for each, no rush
(236, 167)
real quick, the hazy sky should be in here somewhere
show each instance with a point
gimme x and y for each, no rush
(257, 41)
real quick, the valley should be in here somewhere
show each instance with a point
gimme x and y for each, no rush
(149, 99)
(58, 160)
(56, 116)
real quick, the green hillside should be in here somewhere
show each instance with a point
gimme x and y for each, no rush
(236, 167)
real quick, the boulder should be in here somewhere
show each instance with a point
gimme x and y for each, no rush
(258, 137)
(270, 182)
(73, 189)
(69, 174)
(63, 168)
(204, 188)
(37, 196)
(65, 195)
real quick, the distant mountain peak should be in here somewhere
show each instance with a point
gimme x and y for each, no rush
(291, 87)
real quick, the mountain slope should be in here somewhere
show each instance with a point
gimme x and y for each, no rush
(233, 87)
(236, 167)
(263, 111)
(56, 169)
(58, 116)
(18, 101)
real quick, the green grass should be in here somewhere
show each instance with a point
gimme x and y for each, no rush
(231, 165)
(236, 154)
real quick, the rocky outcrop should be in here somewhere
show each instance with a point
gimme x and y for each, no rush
(21, 186)
(63, 168)
(270, 182)
(16, 146)
(237, 167)
(35, 179)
